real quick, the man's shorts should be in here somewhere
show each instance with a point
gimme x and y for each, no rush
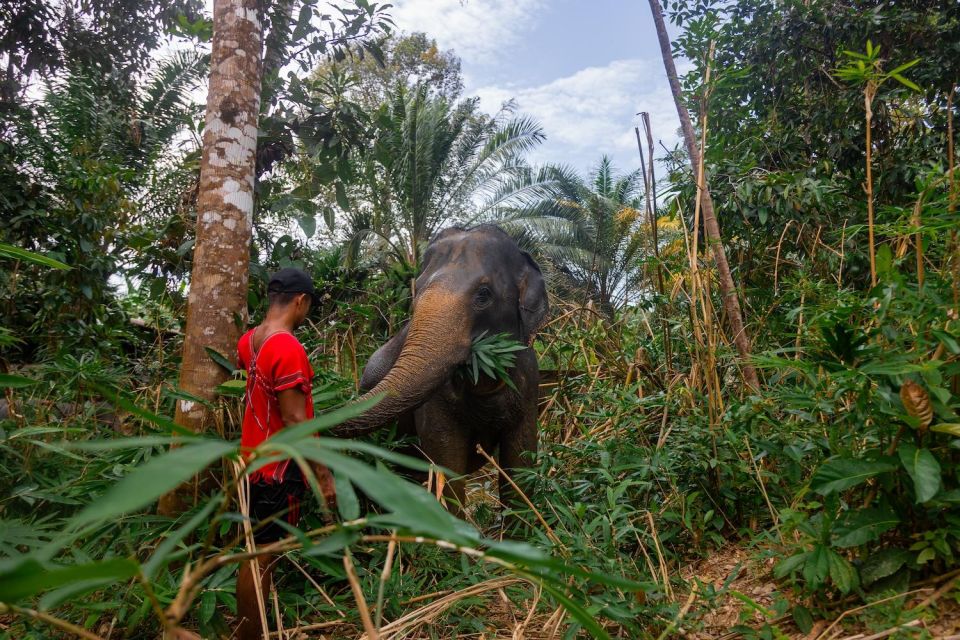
(280, 499)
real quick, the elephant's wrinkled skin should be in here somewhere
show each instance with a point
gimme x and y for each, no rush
(473, 281)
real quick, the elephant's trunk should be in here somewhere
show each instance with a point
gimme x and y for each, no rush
(437, 342)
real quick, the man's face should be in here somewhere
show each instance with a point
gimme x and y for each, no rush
(303, 303)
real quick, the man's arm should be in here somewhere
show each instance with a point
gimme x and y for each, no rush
(293, 406)
(293, 410)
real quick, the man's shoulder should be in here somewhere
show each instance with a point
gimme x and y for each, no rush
(283, 342)
(244, 341)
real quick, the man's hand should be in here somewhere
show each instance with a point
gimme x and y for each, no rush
(293, 410)
(327, 487)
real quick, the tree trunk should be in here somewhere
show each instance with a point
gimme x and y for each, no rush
(731, 303)
(217, 304)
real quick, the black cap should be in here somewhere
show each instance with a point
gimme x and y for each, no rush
(290, 280)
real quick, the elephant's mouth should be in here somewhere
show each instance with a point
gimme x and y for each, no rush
(486, 386)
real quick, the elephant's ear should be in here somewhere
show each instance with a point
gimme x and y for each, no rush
(533, 298)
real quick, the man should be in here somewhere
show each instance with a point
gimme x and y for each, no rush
(277, 396)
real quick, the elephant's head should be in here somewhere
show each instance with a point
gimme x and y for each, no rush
(473, 281)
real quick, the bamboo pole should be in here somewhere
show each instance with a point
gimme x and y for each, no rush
(731, 302)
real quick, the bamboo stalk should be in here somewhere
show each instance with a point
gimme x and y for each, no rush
(954, 252)
(731, 302)
(358, 596)
(868, 94)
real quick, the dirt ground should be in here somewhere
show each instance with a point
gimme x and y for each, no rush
(715, 620)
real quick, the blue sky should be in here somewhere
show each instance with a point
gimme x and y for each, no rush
(583, 68)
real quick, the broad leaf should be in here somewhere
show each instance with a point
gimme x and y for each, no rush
(881, 564)
(149, 481)
(323, 422)
(235, 388)
(952, 428)
(16, 253)
(838, 474)
(28, 577)
(347, 503)
(923, 469)
(161, 555)
(788, 565)
(308, 222)
(221, 360)
(410, 506)
(140, 442)
(866, 525)
(118, 399)
(10, 381)
(841, 572)
(580, 614)
(817, 566)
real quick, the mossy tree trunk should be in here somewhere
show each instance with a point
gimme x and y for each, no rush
(217, 303)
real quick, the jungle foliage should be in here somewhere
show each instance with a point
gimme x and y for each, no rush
(841, 475)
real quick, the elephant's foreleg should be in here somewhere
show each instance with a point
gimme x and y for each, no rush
(448, 445)
(518, 449)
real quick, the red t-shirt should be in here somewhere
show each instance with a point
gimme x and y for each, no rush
(280, 363)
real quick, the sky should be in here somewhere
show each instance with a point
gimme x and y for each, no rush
(582, 68)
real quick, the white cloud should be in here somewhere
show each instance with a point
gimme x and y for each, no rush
(479, 31)
(592, 112)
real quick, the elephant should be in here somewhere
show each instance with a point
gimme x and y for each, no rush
(473, 281)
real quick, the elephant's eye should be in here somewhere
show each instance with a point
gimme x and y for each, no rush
(483, 297)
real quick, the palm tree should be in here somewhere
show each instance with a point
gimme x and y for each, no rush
(434, 163)
(589, 230)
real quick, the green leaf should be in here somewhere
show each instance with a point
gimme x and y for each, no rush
(22, 578)
(338, 444)
(71, 591)
(16, 253)
(323, 422)
(180, 394)
(953, 428)
(817, 566)
(223, 361)
(905, 66)
(881, 564)
(891, 366)
(948, 341)
(139, 442)
(235, 388)
(865, 525)
(118, 399)
(838, 474)
(165, 548)
(10, 381)
(410, 506)
(149, 481)
(790, 564)
(905, 82)
(841, 572)
(580, 614)
(923, 469)
(303, 22)
(803, 618)
(347, 503)
(308, 223)
(208, 606)
(341, 194)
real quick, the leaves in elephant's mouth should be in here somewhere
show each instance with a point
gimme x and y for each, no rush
(494, 356)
